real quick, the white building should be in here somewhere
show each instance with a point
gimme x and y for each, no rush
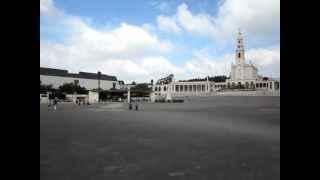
(246, 75)
(241, 70)
(242, 75)
(57, 77)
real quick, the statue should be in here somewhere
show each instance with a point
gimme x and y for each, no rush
(165, 80)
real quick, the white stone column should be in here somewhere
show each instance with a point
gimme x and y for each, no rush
(168, 97)
(128, 100)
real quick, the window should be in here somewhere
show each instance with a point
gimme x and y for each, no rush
(239, 55)
(165, 88)
(177, 88)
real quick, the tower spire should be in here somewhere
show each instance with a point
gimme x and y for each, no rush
(240, 58)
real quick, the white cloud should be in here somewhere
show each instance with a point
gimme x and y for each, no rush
(127, 51)
(259, 19)
(266, 59)
(202, 65)
(47, 7)
(167, 24)
(199, 24)
(148, 27)
(136, 53)
(263, 56)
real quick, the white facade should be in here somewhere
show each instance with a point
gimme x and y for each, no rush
(89, 84)
(242, 74)
(190, 88)
(241, 70)
(246, 75)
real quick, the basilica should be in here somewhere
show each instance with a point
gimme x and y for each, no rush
(243, 77)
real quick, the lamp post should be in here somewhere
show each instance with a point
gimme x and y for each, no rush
(99, 77)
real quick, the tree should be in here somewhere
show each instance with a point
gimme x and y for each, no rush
(71, 88)
(142, 86)
(44, 88)
(221, 78)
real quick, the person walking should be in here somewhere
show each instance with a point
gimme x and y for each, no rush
(49, 105)
(130, 106)
(55, 102)
(136, 106)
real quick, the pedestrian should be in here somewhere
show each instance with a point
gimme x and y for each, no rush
(49, 105)
(130, 106)
(55, 102)
(136, 106)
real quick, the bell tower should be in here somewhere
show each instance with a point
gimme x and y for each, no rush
(240, 58)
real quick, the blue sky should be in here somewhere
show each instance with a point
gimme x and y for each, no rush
(186, 37)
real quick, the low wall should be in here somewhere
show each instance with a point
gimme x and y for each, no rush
(248, 93)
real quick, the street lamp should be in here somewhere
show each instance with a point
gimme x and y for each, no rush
(99, 77)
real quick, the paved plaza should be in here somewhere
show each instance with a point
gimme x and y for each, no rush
(204, 138)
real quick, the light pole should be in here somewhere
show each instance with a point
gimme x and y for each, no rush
(99, 77)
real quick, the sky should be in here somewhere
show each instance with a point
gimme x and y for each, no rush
(140, 40)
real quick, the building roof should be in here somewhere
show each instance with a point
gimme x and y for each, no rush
(82, 75)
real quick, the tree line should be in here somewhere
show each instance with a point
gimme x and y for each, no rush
(66, 88)
(220, 78)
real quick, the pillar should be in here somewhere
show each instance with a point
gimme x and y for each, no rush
(128, 96)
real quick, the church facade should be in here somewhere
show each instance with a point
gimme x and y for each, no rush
(241, 70)
(243, 75)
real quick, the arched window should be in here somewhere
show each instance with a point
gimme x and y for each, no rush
(159, 88)
(252, 84)
(165, 88)
(239, 55)
(156, 89)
